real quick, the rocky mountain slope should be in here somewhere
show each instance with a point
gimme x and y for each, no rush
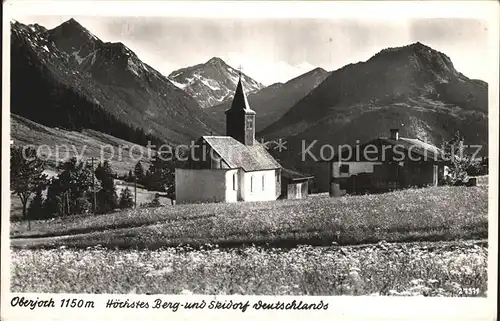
(85, 143)
(414, 88)
(75, 80)
(275, 100)
(213, 82)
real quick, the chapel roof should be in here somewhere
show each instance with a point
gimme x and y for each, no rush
(294, 175)
(237, 155)
(407, 146)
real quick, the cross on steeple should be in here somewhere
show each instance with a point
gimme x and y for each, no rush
(240, 68)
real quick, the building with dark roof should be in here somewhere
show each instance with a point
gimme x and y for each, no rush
(386, 163)
(294, 185)
(230, 168)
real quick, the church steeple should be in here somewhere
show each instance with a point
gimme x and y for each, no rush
(240, 119)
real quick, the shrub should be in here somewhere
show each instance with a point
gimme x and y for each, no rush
(461, 162)
(156, 201)
(82, 205)
(478, 168)
(126, 200)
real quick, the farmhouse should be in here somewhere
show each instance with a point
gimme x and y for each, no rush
(294, 185)
(230, 168)
(385, 164)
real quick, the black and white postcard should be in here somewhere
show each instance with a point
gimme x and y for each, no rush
(239, 160)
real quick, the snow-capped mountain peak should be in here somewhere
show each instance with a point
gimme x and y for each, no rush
(103, 74)
(212, 82)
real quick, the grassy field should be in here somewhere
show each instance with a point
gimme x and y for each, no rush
(144, 196)
(434, 269)
(429, 214)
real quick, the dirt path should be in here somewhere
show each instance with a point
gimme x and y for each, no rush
(34, 242)
(27, 243)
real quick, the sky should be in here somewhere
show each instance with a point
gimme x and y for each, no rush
(277, 50)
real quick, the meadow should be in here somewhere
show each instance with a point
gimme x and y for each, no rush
(424, 269)
(427, 242)
(428, 214)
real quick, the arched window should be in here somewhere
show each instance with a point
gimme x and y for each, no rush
(263, 181)
(251, 183)
(234, 181)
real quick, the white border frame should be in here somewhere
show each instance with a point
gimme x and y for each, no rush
(347, 308)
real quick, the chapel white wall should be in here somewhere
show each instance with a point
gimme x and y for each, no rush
(201, 185)
(257, 193)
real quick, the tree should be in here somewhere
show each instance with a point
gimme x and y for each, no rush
(139, 172)
(73, 184)
(161, 175)
(54, 203)
(26, 173)
(104, 170)
(106, 196)
(130, 177)
(126, 200)
(460, 160)
(35, 209)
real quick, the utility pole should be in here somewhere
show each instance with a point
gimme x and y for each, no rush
(135, 191)
(93, 187)
(67, 202)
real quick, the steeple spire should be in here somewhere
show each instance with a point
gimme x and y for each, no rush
(240, 119)
(240, 101)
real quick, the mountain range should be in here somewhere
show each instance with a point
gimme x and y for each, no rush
(213, 82)
(414, 88)
(67, 77)
(73, 78)
(275, 100)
